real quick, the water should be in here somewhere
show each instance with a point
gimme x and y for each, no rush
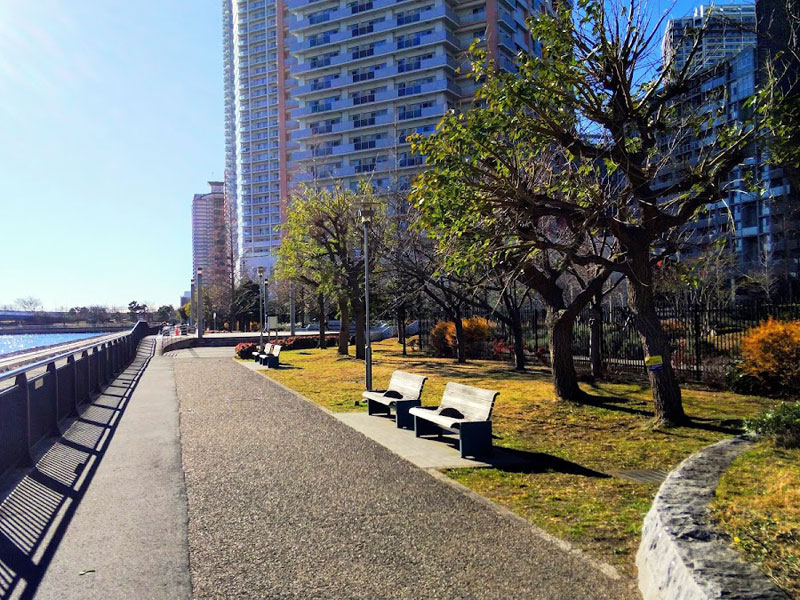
(25, 341)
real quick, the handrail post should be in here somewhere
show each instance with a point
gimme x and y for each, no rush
(21, 381)
(51, 368)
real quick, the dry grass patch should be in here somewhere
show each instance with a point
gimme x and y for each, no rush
(569, 449)
(758, 505)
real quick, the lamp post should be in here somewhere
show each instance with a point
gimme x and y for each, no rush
(200, 323)
(191, 306)
(266, 307)
(366, 212)
(261, 309)
(292, 315)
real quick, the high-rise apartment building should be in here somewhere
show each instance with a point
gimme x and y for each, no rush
(728, 29)
(371, 72)
(328, 90)
(255, 112)
(210, 234)
(758, 214)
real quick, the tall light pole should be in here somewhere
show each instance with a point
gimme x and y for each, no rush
(292, 314)
(191, 306)
(261, 309)
(200, 323)
(366, 213)
(266, 307)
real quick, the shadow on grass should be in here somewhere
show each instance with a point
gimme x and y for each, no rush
(617, 403)
(509, 460)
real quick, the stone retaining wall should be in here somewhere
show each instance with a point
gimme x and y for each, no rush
(681, 554)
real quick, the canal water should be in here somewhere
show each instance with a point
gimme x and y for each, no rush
(25, 341)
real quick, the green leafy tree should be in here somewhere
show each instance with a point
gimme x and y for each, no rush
(594, 114)
(322, 247)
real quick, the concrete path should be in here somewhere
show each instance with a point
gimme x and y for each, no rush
(103, 514)
(285, 501)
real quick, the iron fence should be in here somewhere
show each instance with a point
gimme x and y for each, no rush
(705, 339)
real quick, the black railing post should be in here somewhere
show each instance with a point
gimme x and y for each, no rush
(21, 381)
(697, 353)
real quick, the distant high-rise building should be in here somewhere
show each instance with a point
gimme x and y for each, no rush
(758, 214)
(210, 231)
(728, 29)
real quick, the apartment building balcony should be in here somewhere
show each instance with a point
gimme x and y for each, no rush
(389, 24)
(343, 149)
(298, 23)
(389, 48)
(359, 171)
(441, 85)
(346, 125)
(347, 80)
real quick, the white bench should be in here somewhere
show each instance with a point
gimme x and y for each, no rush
(465, 410)
(405, 391)
(270, 356)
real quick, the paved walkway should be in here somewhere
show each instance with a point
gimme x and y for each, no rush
(286, 501)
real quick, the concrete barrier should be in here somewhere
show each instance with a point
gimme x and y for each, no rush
(682, 555)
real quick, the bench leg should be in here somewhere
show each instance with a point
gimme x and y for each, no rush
(402, 418)
(272, 362)
(475, 439)
(423, 427)
(376, 408)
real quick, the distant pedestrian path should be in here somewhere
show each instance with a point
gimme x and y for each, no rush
(285, 501)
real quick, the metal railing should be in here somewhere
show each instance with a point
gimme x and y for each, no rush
(34, 406)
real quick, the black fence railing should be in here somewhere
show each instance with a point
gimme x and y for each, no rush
(705, 339)
(34, 406)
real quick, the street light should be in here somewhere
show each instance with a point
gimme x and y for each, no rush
(200, 324)
(191, 306)
(266, 307)
(366, 212)
(260, 310)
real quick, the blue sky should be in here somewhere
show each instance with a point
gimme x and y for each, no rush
(111, 118)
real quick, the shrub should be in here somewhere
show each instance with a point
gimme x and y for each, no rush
(245, 349)
(781, 424)
(771, 354)
(501, 349)
(439, 336)
(476, 333)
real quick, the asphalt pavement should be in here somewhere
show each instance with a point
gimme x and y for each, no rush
(286, 501)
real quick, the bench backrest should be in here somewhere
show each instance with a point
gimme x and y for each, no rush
(474, 403)
(276, 349)
(267, 348)
(408, 384)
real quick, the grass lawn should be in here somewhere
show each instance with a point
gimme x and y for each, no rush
(758, 505)
(567, 489)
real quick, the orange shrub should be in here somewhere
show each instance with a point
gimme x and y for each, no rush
(771, 354)
(477, 331)
(439, 337)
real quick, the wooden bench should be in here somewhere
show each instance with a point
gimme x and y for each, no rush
(465, 410)
(260, 356)
(405, 390)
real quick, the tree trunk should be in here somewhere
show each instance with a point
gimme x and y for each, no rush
(321, 305)
(667, 404)
(344, 330)
(596, 337)
(461, 354)
(519, 340)
(565, 379)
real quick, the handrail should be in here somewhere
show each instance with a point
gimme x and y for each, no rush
(35, 409)
(45, 361)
